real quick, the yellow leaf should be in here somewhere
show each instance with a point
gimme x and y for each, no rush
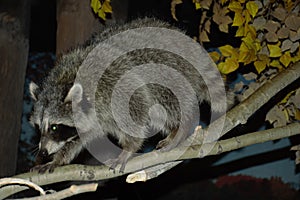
(249, 42)
(252, 7)
(288, 4)
(244, 47)
(247, 57)
(257, 45)
(102, 14)
(235, 6)
(260, 66)
(215, 56)
(96, 5)
(276, 63)
(106, 7)
(249, 29)
(197, 4)
(262, 62)
(243, 56)
(223, 1)
(227, 50)
(286, 58)
(228, 66)
(235, 54)
(240, 32)
(287, 97)
(275, 50)
(247, 16)
(238, 19)
(247, 51)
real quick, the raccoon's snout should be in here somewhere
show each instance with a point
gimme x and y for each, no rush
(42, 157)
(43, 153)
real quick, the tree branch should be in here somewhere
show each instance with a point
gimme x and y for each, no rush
(71, 191)
(151, 172)
(18, 181)
(92, 173)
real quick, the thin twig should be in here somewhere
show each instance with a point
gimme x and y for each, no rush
(71, 191)
(151, 172)
(19, 181)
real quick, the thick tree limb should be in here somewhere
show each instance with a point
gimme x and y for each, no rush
(92, 173)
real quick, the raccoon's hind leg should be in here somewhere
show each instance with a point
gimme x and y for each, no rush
(62, 157)
(172, 140)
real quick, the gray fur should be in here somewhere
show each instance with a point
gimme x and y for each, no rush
(53, 101)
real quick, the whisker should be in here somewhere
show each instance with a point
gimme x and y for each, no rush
(34, 151)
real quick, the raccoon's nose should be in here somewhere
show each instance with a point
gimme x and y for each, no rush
(43, 153)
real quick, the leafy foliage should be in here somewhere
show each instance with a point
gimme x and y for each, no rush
(269, 32)
(101, 8)
(286, 111)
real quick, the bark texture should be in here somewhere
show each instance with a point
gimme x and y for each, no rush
(14, 45)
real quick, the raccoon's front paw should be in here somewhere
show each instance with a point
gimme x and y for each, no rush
(48, 167)
(114, 163)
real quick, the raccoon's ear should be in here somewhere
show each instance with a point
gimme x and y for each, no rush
(75, 93)
(33, 89)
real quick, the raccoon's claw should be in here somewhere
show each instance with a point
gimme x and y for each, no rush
(120, 160)
(161, 144)
(165, 145)
(48, 167)
(113, 165)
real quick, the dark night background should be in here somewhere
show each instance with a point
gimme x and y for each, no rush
(263, 171)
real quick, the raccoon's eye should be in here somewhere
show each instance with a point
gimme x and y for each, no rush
(54, 128)
(60, 132)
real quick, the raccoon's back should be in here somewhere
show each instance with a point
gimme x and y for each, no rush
(63, 76)
(142, 94)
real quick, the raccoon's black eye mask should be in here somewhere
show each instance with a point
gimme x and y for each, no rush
(60, 132)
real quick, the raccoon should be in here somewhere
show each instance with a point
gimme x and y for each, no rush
(64, 107)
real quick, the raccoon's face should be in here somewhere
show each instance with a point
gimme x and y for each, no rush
(53, 120)
(53, 140)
